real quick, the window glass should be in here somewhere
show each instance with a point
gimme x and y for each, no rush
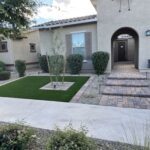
(32, 47)
(78, 43)
(3, 46)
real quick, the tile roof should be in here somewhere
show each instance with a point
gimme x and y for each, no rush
(68, 22)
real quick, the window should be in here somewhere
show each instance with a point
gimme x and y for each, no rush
(78, 43)
(3, 47)
(32, 47)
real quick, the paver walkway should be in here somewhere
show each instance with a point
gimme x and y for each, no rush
(108, 123)
(126, 88)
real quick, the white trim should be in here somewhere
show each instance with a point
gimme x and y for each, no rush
(77, 32)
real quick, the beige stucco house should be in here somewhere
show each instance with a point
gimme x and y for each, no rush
(75, 35)
(25, 48)
(121, 28)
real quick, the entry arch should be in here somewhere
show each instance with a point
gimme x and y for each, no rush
(125, 46)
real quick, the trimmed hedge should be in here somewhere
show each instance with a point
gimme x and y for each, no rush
(16, 137)
(43, 63)
(4, 75)
(70, 139)
(2, 66)
(100, 61)
(75, 62)
(20, 67)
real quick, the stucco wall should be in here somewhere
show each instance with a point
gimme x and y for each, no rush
(110, 20)
(21, 48)
(46, 37)
(7, 57)
(131, 49)
(48, 41)
(45, 41)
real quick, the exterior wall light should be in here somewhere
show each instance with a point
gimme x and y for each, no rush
(147, 33)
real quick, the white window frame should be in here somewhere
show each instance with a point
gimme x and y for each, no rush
(77, 32)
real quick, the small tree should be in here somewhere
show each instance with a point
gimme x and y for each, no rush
(57, 60)
(15, 15)
(56, 65)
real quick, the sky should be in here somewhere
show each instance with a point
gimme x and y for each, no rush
(62, 9)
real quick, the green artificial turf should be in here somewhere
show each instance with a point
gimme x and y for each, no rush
(29, 87)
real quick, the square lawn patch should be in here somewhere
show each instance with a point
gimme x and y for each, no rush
(29, 88)
(59, 86)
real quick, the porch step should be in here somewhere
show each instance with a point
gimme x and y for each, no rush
(127, 76)
(126, 91)
(125, 101)
(127, 83)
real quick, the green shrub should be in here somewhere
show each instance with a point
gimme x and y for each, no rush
(4, 75)
(100, 61)
(2, 66)
(16, 137)
(75, 62)
(43, 63)
(20, 67)
(70, 139)
(56, 64)
(1, 69)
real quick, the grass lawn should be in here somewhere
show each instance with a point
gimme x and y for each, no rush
(29, 87)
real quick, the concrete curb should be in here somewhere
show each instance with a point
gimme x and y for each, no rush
(76, 98)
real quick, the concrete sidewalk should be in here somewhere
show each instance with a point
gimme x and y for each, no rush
(106, 123)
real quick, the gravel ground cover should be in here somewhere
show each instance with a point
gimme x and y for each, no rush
(44, 135)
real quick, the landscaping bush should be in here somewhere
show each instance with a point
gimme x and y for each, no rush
(20, 67)
(1, 69)
(16, 137)
(43, 63)
(4, 75)
(75, 62)
(2, 66)
(56, 64)
(70, 139)
(100, 61)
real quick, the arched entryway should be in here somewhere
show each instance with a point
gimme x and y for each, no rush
(125, 46)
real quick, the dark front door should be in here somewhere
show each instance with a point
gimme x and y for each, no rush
(121, 51)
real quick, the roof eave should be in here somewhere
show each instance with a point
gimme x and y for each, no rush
(68, 24)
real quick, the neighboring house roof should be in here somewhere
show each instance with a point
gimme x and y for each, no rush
(68, 22)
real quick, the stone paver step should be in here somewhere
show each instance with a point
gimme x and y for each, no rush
(128, 83)
(127, 91)
(125, 101)
(127, 76)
